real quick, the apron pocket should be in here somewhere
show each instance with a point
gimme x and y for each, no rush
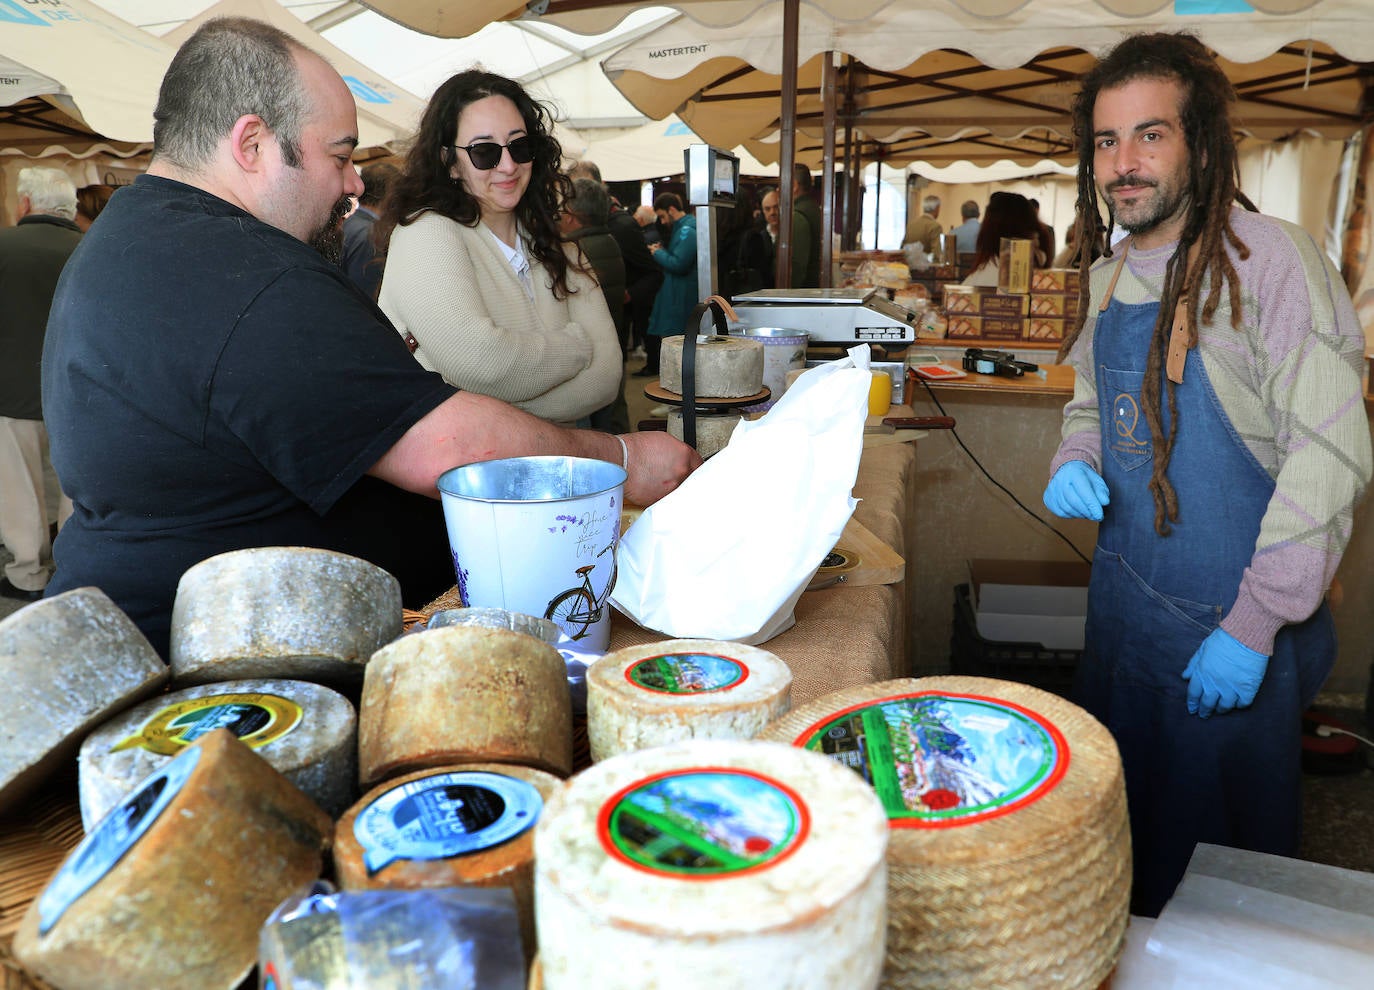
(1124, 430)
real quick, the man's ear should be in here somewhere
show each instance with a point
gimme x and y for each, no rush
(247, 139)
(24, 208)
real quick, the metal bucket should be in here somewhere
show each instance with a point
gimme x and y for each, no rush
(783, 350)
(538, 535)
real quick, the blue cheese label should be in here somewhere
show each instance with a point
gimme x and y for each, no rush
(114, 836)
(445, 815)
(938, 760)
(255, 718)
(703, 824)
(687, 673)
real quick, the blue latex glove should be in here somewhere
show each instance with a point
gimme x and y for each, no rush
(1076, 492)
(1223, 674)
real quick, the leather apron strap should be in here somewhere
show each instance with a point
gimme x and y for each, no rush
(1182, 337)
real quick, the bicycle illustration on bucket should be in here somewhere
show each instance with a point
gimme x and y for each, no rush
(578, 609)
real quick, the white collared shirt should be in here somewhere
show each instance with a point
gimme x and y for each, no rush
(518, 261)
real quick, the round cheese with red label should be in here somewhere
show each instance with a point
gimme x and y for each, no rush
(730, 860)
(172, 886)
(282, 612)
(307, 731)
(458, 826)
(464, 694)
(67, 664)
(658, 693)
(1009, 863)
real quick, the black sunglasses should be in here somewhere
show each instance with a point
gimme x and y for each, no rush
(487, 154)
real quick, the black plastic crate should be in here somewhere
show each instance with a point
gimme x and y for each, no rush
(1025, 663)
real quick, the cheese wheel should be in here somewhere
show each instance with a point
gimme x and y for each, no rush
(726, 367)
(67, 663)
(713, 430)
(741, 863)
(281, 612)
(658, 693)
(459, 826)
(308, 732)
(172, 886)
(464, 694)
(1009, 864)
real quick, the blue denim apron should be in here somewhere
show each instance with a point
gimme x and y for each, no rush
(1232, 779)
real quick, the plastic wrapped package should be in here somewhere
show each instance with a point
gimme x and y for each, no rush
(436, 939)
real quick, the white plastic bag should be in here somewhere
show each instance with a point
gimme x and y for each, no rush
(727, 555)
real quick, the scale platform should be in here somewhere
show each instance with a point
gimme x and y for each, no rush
(831, 316)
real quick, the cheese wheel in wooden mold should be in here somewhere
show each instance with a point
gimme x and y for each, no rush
(658, 693)
(741, 863)
(307, 731)
(172, 886)
(713, 430)
(464, 694)
(282, 612)
(67, 664)
(458, 826)
(1010, 861)
(726, 367)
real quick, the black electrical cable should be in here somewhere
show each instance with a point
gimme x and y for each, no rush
(979, 464)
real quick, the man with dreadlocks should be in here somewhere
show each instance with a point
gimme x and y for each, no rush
(1217, 430)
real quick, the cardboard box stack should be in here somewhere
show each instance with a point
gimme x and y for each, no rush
(1043, 312)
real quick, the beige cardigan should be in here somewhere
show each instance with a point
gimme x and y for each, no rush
(452, 289)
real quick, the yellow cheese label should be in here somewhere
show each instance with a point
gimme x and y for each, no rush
(255, 718)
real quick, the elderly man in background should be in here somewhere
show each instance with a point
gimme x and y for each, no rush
(32, 255)
(256, 399)
(360, 258)
(801, 238)
(966, 234)
(584, 221)
(925, 229)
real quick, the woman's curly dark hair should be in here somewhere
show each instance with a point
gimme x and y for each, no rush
(1213, 185)
(425, 183)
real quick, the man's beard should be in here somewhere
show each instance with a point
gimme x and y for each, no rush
(1164, 204)
(328, 240)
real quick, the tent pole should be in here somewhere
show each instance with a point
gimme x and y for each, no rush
(1355, 237)
(853, 213)
(828, 177)
(787, 152)
(877, 196)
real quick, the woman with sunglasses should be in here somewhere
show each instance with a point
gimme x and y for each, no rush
(477, 279)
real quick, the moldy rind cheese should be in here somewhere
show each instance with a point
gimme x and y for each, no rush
(1009, 863)
(281, 612)
(741, 863)
(308, 732)
(171, 888)
(457, 826)
(67, 663)
(678, 689)
(464, 694)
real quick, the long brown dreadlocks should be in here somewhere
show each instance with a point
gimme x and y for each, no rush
(1213, 185)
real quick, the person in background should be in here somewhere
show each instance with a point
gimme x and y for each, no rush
(642, 276)
(678, 295)
(360, 259)
(32, 255)
(1219, 437)
(925, 229)
(805, 204)
(90, 200)
(257, 399)
(966, 234)
(478, 279)
(744, 255)
(648, 224)
(583, 221)
(1046, 239)
(1068, 256)
(801, 239)
(1009, 214)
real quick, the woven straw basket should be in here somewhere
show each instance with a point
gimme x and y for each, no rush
(1030, 899)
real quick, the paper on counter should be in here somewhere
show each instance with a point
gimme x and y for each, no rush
(727, 555)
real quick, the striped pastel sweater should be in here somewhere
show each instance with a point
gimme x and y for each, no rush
(1290, 383)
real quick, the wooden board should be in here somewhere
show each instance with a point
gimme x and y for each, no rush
(865, 559)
